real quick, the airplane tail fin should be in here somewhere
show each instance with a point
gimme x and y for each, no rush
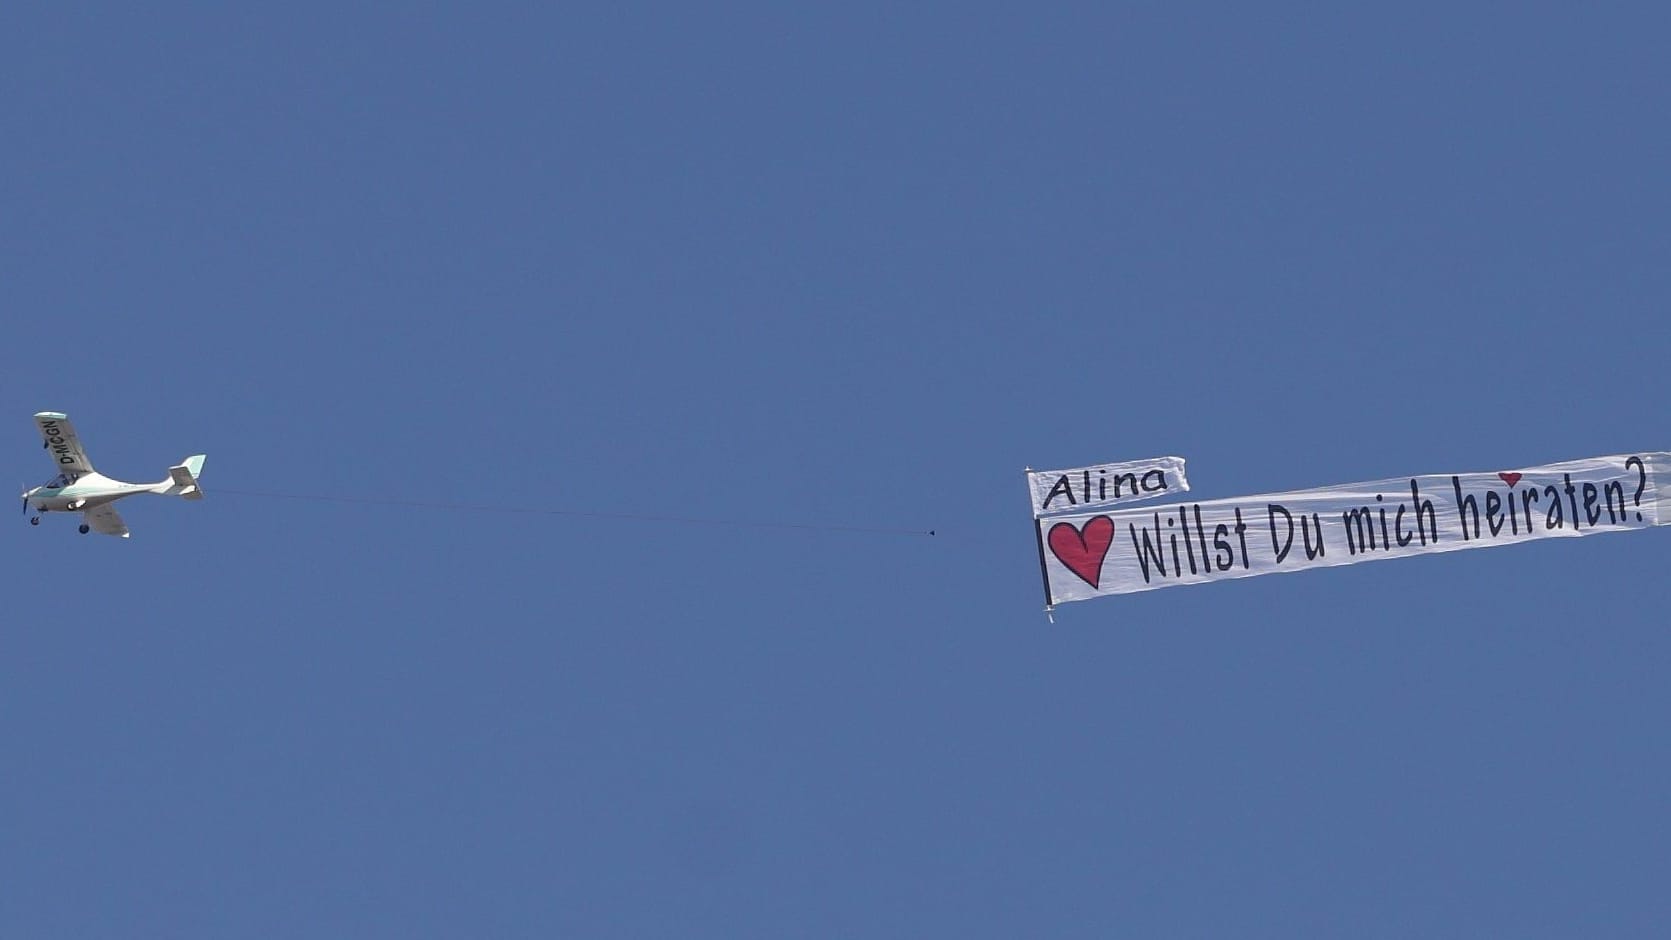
(182, 479)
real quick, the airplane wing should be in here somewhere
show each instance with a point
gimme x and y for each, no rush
(62, 443)
(104, 519)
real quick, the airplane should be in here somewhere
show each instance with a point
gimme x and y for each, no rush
(79, 488)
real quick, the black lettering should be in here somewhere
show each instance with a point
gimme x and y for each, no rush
(1130, 481)
(1159, 482)
(1061, 487)
(1398, 527)
(1424, 506)
(1555, 519)
(1183, 523)
(1572, 498)
(1641, 482)
(1466, 503)
(1146, 551)
(1241, 536)
(1608, 491)
(1177, 560)
(1493, 505)
(1201, 534)
(1305, 534)
(1281, 551)
(1527, 498)
(1220, 545)
(1591, 496)
(1359, 523)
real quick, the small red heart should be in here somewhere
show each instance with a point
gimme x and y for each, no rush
(1509, 478)
(1083, 551)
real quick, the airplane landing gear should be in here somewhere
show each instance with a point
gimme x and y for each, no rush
(82, 528)
(34, 520)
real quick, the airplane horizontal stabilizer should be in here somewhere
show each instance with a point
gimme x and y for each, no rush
(183, 477)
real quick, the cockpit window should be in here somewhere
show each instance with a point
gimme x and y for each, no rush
(59, 482)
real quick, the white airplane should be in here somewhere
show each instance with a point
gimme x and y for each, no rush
(79, 488)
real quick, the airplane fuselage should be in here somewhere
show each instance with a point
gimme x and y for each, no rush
(89, 490)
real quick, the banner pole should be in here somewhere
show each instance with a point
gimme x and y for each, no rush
(1038, 533)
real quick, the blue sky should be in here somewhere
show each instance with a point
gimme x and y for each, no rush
(850, 265)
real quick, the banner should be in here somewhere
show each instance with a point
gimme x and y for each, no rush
(1102, 486)
(1090, 554)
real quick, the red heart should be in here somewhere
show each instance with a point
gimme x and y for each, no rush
(1083, 552)
(1509, 478)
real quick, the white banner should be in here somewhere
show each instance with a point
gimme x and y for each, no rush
(1085, 489)
(1089, 554)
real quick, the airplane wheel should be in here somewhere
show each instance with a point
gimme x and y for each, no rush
(34, 520)
(82, 529)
